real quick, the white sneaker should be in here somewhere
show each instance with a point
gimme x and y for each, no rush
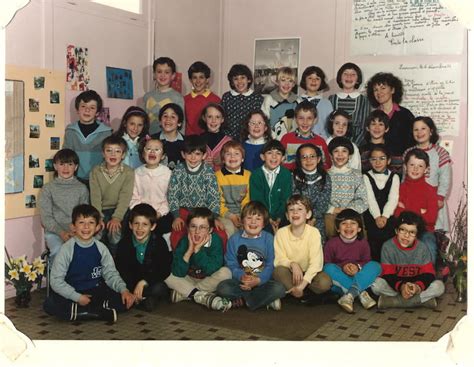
(211, 301)
(275, 305)
(366, 301)
(347, 302)
(177, 297)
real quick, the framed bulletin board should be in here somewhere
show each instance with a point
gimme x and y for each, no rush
(34, 136)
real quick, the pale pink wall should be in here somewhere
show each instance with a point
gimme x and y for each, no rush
(188, 31)
(38, 36)
(324, 28)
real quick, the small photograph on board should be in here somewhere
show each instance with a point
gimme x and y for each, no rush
(48, 165)
(54, 145)
(33, 161)
(177, 83)
(104, 116)
(34, 104)
(38, 181)
(54, 96)
(38, 82)
(49, 119)
(271, 55)
(34, 131)
(77, 64)
(30, 201)
(119, 83)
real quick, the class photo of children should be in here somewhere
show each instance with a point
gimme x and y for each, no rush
(327, 203)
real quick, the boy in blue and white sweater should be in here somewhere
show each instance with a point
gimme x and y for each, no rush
(86, 135)
(85, 283)
(249, 257)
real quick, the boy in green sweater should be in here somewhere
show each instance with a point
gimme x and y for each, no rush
(111, 185)
(271, 184)
(198, 263)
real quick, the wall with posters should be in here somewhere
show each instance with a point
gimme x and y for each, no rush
(325, 30)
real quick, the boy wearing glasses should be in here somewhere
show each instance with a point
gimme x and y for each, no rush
(408, 274)
(382, 196)
(198, 263)
(306, 117)
(111, 186)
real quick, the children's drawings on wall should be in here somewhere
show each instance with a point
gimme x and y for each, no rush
(270, 55)
(104, 115)
(38, 82)
(401, 27)
(34, 131)
(77, 63)
(429, 90)
(119, 83)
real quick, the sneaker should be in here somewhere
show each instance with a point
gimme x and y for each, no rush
(109, 314)
(366, 301)
(177, 297)
(211, 301)
(431, 303)
(275, 305)
(149, 303)
(347, 302)
(238, 302)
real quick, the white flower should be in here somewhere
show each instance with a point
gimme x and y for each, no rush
(32, 276)
(14, 275)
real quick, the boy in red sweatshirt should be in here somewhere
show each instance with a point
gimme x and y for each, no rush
(417, 196)
(408, 275)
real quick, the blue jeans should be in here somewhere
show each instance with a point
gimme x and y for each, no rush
(429, 239)
(54, 243)
(259, 296)
(362, 280)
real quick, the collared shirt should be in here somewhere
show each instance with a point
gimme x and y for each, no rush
(344, 95)
(205, 93)
(270, 176)
(110, 177)
(163, 137)
(246, 94)
(140, 248)
(395, 108)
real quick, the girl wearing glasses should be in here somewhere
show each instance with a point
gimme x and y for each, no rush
(151, 182)
(382, 195)
(256, 131)
(311, 180)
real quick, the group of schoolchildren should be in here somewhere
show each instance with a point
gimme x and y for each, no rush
(243, 201)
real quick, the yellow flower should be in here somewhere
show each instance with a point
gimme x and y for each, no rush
(38, 261)
(32, 276)
(14, 274)
(26, 268)
(39, 268)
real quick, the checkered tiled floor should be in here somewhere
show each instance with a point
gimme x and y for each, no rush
(418, 324)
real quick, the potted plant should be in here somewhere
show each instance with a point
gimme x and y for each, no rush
(455, 254)
(23, 275)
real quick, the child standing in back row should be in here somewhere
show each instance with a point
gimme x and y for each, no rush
(134, 126)
(164, 72)
(86, 135)
(240, 100)
(199, 74)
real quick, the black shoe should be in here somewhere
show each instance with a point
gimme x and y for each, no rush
(149, 303)
(108, 314)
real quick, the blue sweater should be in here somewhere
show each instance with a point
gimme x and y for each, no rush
(252, 256)
(252, 159)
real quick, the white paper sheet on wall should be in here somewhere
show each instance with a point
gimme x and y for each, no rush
(401, 27)
(430, 89)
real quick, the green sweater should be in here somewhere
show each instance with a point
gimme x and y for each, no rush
(274, 200)
(201, 264)
(112, 195)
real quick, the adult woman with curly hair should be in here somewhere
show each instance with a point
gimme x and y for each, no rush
(385, 92)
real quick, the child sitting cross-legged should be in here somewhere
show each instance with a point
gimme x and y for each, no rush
(299, 252)
(85, 283)
(233, 182)
(250, 257)
(347, 261)
(143, 259)
(198, 263)
(408, 274)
